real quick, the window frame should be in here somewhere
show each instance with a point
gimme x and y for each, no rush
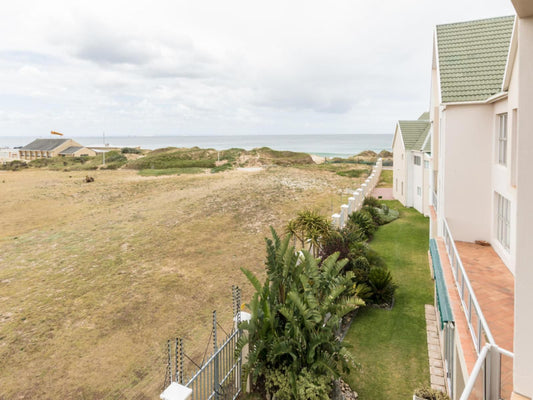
(502, 139)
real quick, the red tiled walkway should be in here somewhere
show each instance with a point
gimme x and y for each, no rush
(493, 286)
(385, 193)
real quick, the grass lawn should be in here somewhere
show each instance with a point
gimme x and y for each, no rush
(385, 180)
(390, 346)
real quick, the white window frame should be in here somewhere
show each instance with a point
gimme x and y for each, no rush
(503, 220)
(503, 138)
(426, 164)
(419, 191)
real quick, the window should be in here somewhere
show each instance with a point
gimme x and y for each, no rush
(419, 190)
(417, 160)
(402, 188)
(503, 220)
(502, 139)
(396, 184)
(426, 164)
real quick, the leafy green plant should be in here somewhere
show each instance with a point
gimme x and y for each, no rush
(296, 315)
(287, 385)
(309, 227)
(371, 201)
(382, 286)
(431, 394)
(363, 221)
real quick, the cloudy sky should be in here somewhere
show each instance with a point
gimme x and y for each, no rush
(203, 67)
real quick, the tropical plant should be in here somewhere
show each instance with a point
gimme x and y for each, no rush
(371, 201)
(362, 221)
(382, 286)
(296, 315)
(309, 227)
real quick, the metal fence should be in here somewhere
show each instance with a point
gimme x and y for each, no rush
(220, 376)
(479, 329)
(435, 201)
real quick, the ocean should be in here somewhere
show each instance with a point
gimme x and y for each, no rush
(322, 145)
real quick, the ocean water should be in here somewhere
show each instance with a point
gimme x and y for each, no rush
(322, 145)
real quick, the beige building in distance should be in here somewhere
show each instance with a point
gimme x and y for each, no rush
(47, 148)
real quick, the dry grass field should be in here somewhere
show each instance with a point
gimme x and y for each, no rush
(95, 277)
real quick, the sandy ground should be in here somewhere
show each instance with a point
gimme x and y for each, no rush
(95, 277)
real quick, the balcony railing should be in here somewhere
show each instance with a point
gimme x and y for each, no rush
(435, 201)
(490, 378)
(479, 329)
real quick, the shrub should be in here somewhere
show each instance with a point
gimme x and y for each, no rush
(382, 285)
(14, 165)
(115, 157)
(296, 315)
(374, 212)
(371, 201)
(431, 394)
(363, 221)
(307, 385)
(387, 214)
(130, 150)
(352, 173)
(221, 168)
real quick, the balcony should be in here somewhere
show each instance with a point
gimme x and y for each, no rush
(481, 290)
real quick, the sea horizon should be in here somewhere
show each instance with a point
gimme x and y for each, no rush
(325, 145)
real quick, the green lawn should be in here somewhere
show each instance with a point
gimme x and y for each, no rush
(390, 346)
(385, 179)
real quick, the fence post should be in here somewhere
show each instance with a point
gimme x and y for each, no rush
(344, 215)
(351, 205)
(335, 219)
(216, 382)
(492, 375)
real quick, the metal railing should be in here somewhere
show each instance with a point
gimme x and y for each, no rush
(479, 329)
(485, 379)
(220, 376)
(435, 200)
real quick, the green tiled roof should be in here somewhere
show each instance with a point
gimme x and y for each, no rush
(424, 116)
(472, 58)
(414, 133)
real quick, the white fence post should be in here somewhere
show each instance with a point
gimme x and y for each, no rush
(351, 205)
(335, 218)
(175, 391)
(344, 215)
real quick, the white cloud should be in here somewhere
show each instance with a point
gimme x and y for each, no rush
(211, 67)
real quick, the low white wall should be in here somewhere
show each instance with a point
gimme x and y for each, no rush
(355, 202)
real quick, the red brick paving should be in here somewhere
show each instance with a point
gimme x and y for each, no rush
(385, 193)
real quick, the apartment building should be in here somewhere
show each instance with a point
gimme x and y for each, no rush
(481, 113)
(411, 148)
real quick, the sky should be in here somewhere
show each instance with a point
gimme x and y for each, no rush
(211, 67)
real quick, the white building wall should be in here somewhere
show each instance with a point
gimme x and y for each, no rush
(417, 181)
(399, 174)
(466, 172)
(523, 342)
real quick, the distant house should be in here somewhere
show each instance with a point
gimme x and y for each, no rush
(47, 148)
(411, 149)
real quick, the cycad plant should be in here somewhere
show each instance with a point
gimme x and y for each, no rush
(295, 319)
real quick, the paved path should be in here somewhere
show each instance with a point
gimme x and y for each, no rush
(383, 193)
(436, 367)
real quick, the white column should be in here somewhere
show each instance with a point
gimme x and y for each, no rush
(363, 190)
(351, 205)
(335, 219)
(344, 215)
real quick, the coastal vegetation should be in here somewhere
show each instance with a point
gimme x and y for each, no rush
(297, 314)
(94, 278)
